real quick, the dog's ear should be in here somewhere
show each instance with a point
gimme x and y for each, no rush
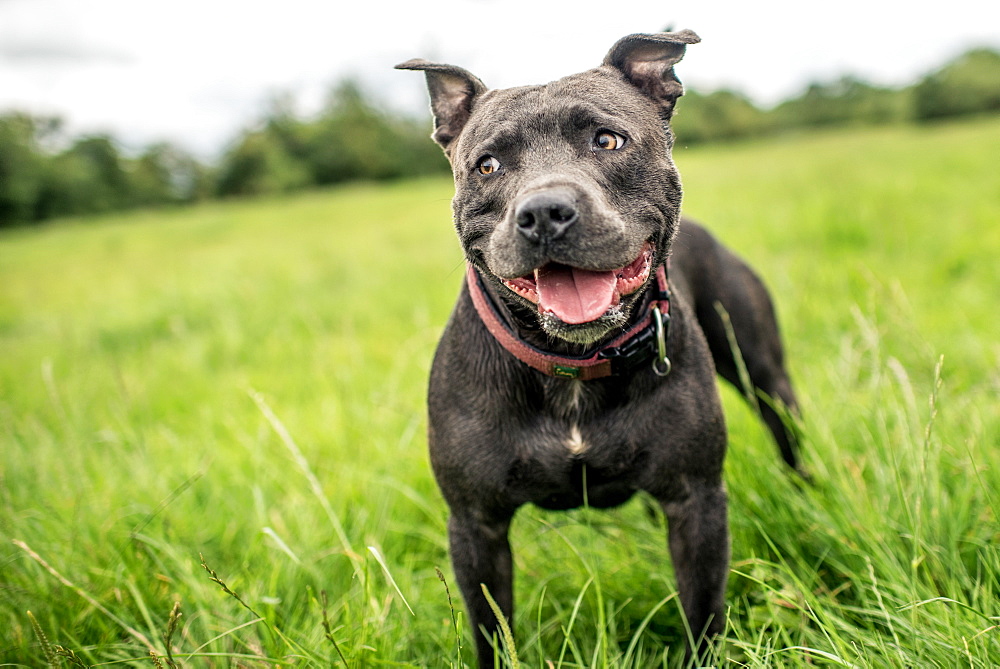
(647, 61)
(453, 92)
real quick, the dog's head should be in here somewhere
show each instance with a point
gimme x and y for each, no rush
(566, 195)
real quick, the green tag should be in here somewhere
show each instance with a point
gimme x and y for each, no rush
(565, 371)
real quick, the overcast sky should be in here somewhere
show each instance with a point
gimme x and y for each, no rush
(196, 71)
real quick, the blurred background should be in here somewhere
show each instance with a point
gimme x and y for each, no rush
(108, 104)
(239, 385)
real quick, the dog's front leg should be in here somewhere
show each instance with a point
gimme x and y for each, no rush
(480, 555)
(699, 546)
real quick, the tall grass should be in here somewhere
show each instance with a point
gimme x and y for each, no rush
(212, 442)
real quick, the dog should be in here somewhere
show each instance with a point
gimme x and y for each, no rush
(578, 366)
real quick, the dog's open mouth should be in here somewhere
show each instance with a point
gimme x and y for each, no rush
(577, 295)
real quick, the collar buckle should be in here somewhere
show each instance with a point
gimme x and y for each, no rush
(661, 322)
(631, 353)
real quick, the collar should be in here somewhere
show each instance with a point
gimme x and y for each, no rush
(644, 341)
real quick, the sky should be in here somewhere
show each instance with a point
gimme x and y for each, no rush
(195, 72)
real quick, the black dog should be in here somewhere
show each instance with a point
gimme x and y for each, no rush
(574, 370)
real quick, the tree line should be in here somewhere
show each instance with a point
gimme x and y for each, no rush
(42, 176)
(969, 84)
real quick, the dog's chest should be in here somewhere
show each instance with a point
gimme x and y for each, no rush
(569, 403)
(576, 453)
(581, 422)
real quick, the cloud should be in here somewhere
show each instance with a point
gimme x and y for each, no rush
(42, 53)
(196, 71)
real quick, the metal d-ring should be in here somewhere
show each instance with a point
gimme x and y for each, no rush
(661, 364)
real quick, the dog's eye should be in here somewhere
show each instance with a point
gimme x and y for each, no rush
(488, 165)
(609, 141)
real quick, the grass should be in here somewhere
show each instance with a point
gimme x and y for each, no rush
(212, 444)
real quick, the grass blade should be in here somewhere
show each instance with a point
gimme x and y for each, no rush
(508, 636)
(286, 439)
(136, 634)
(392, 581)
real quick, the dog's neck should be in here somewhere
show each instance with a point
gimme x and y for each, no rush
(517, 329)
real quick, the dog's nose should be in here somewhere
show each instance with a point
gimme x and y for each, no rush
(546, 215)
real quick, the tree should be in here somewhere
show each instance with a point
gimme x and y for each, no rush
(352, 139)
(845, 100)
(970, 84)
(165, 174)
(720, 115)
(21, 167)
(259, 165)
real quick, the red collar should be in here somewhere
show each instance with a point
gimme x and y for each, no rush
(644, 341)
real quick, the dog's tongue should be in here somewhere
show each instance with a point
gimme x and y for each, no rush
(575, 295)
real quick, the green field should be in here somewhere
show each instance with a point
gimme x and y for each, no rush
(240, 385)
